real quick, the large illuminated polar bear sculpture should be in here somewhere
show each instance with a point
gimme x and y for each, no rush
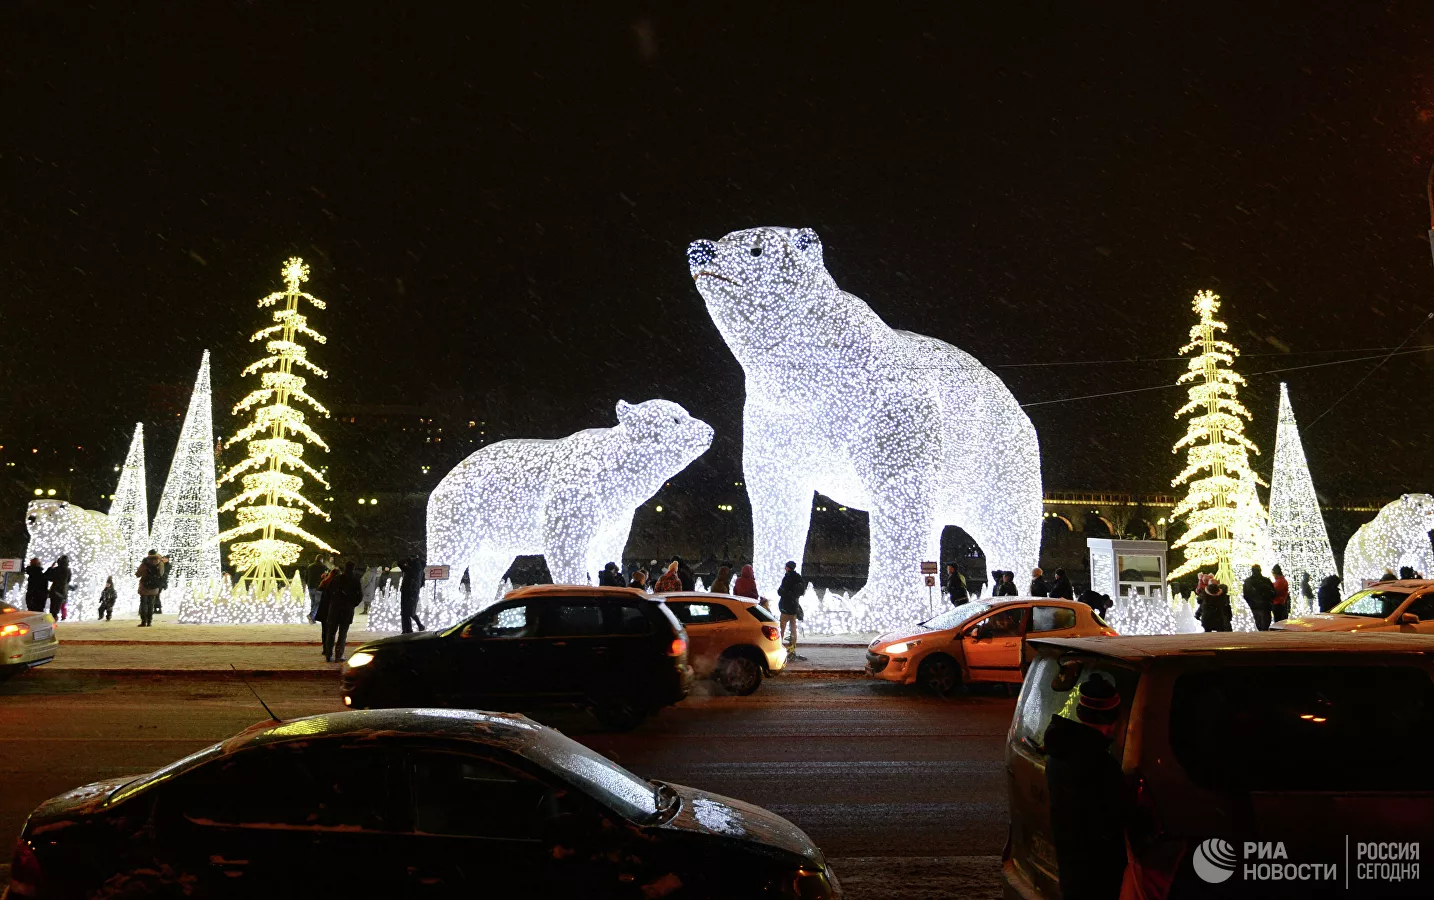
(96, 548)
(905, 426)
(1398, 536)
(570, 499)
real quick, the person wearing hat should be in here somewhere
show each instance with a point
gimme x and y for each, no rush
(1088, 800)
(1213, 605)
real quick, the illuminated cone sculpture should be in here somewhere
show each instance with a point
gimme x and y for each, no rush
(271, 506)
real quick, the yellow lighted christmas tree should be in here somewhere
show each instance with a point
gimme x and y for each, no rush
(1223, 515)
(271, 506)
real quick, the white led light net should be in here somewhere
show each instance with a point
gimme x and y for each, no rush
(129, 509)
(186, 526)
(1398, 536)
(907, 427)
(96, 549)
(217, 602)
(1297, 532)
(570, 499)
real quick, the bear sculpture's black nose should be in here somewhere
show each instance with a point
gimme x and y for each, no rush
(700, 253)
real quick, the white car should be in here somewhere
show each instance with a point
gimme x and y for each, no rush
(27, 639)
(1406, 606)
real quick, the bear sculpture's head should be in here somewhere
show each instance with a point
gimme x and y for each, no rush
(662, 436)
(760, 283)
(1418, 511)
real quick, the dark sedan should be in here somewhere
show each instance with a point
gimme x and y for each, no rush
(408, 803)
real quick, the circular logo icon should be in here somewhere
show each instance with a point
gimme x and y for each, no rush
(1214, 861)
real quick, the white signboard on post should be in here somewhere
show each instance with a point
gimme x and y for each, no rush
(929, 568)
(435, 573)
(11, 565)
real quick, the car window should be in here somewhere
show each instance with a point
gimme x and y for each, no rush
(1331, 727)
(1376, 604)
(1052, 689)
(1006, 623)
(1423, 607)
(573, 618)
(1052, 618)
(628, 618)
(954, 617)
(691, 612)
(505, 620)
(760, 614)
(291, 787)
(466, 796)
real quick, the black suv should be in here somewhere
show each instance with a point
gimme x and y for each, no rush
(615, 650)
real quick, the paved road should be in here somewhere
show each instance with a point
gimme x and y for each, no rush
(887, 781)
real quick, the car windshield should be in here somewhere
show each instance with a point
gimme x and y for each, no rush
(1372, 603)
(600, 778)
(954, 617)
(159, 776)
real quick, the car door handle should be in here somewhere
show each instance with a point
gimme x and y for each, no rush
(227, 863)
(560, 643)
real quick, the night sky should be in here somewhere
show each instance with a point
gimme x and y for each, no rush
(496, 206)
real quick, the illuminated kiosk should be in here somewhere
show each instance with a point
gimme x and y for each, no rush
(1128, 568)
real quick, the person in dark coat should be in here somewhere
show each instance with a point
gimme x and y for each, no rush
(746, 585)
(722, 584)
(107, 600)
(639, 580)
(1089, 803)
(1062, 586)
(610, 576)
(37, 586)
(685, 574)
(312, 576)
(1407, 573)
(789, 603)
(163, 585)
(1306, 589)
(1097, 601)
(1007, 587)
(1280, 604)
(343, 592)
(148, 573)
(1328, 593)
(956, 585)
(1213, 606)
(408, 594)
(1388, 575)
(1039, 588)
(58, 575)
(1259, 594)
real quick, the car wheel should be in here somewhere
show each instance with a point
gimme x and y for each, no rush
(619, 715)
(739, 675)
(939, 674)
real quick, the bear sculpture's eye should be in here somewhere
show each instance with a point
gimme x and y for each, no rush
(756, 251)
(676, 420)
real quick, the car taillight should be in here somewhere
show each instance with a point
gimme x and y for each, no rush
(679, 647)
(770, 632)
(14, 630)
(26, 877)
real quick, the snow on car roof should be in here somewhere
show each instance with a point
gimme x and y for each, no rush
(1146, 646)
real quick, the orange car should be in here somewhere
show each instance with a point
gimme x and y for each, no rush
(979, 641)
(731, 639)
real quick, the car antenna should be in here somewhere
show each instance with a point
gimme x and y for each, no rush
(256, 695)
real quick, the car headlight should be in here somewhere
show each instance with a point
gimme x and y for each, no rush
(902, 647)
(360, 659)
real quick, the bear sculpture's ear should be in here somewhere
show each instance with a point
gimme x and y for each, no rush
(623, 408)
(807, 239)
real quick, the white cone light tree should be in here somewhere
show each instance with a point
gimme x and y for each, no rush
(1297, 532)
(186, 526)
(129, 509)
(270, 508)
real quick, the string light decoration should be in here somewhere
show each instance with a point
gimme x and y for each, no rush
(1225, 523)
(570, 499)
(220, 603)
(96, 548)
(187, 521)
(1297, 532)
(271, 506)
(129, 508)
(1398, 536)
(907, 427)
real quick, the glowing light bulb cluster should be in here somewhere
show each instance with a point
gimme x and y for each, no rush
(186, 525)
(570, 499)
(270, 508)
(1297, 534)
(129, 508)
(907, 427)
(96, 548)
(217, 602)
(1398, 536)
(1225, 523)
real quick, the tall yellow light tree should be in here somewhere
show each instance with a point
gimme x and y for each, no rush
(1223, 515)
(272, 504)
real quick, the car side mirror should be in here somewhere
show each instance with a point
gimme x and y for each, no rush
(975, 633)
(1409, 619)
